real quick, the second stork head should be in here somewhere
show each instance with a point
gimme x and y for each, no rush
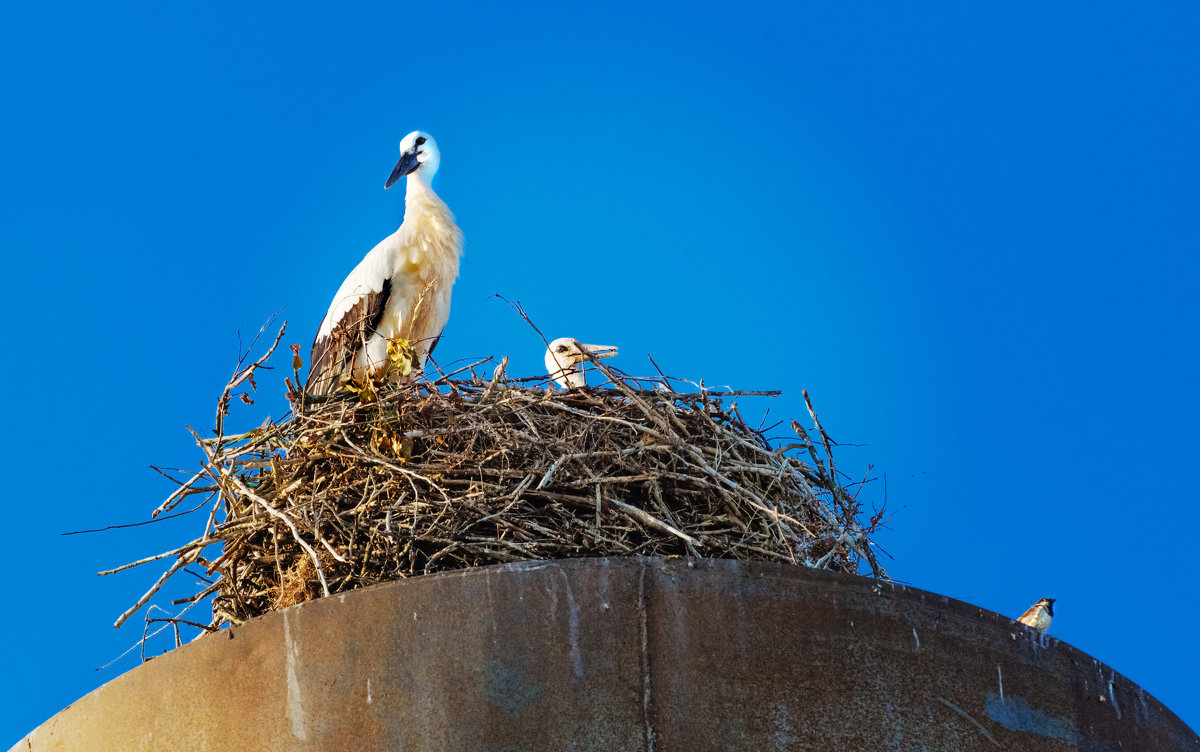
(419, 156)
(565, 358)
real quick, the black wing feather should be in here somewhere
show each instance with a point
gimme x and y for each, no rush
(332, 355)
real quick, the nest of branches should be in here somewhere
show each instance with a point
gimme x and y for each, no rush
(468, 470)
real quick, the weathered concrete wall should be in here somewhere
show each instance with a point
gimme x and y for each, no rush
(623, 654)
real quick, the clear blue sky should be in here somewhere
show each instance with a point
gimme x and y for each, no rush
(970, 233)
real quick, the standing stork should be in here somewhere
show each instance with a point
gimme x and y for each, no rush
(565, 359)
(401, 289)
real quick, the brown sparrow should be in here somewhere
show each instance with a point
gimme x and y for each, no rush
(1039, 614)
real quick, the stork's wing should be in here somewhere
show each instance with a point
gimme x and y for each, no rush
(333, 354)
(425, 320)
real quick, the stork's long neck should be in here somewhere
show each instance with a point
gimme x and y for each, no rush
(429, 228)
(421, 202)
(419, 194)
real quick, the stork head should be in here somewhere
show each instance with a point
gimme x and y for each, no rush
(419, 156)
(565, 359)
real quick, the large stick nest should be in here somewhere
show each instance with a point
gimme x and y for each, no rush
(466, 471)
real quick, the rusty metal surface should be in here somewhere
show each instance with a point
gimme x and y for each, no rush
(623, 654)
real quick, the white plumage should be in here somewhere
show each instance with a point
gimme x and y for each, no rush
(565, 359)
(401, 288)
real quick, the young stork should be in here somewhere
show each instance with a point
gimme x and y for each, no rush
(401, 289)
(565, 359)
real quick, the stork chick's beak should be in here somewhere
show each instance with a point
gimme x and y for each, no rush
(599, 351)
(408, 163)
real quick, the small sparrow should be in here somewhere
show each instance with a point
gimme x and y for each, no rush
(1039, 614)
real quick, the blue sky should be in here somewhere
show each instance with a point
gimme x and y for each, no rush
(969, 232)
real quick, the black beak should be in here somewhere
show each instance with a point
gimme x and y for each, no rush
(408, 163)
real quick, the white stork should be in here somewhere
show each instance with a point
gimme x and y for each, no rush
(565, 359)
(401, 289)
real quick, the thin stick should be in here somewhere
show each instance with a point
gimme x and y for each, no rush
(240, 375)
(180, 563)
(266, 506)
